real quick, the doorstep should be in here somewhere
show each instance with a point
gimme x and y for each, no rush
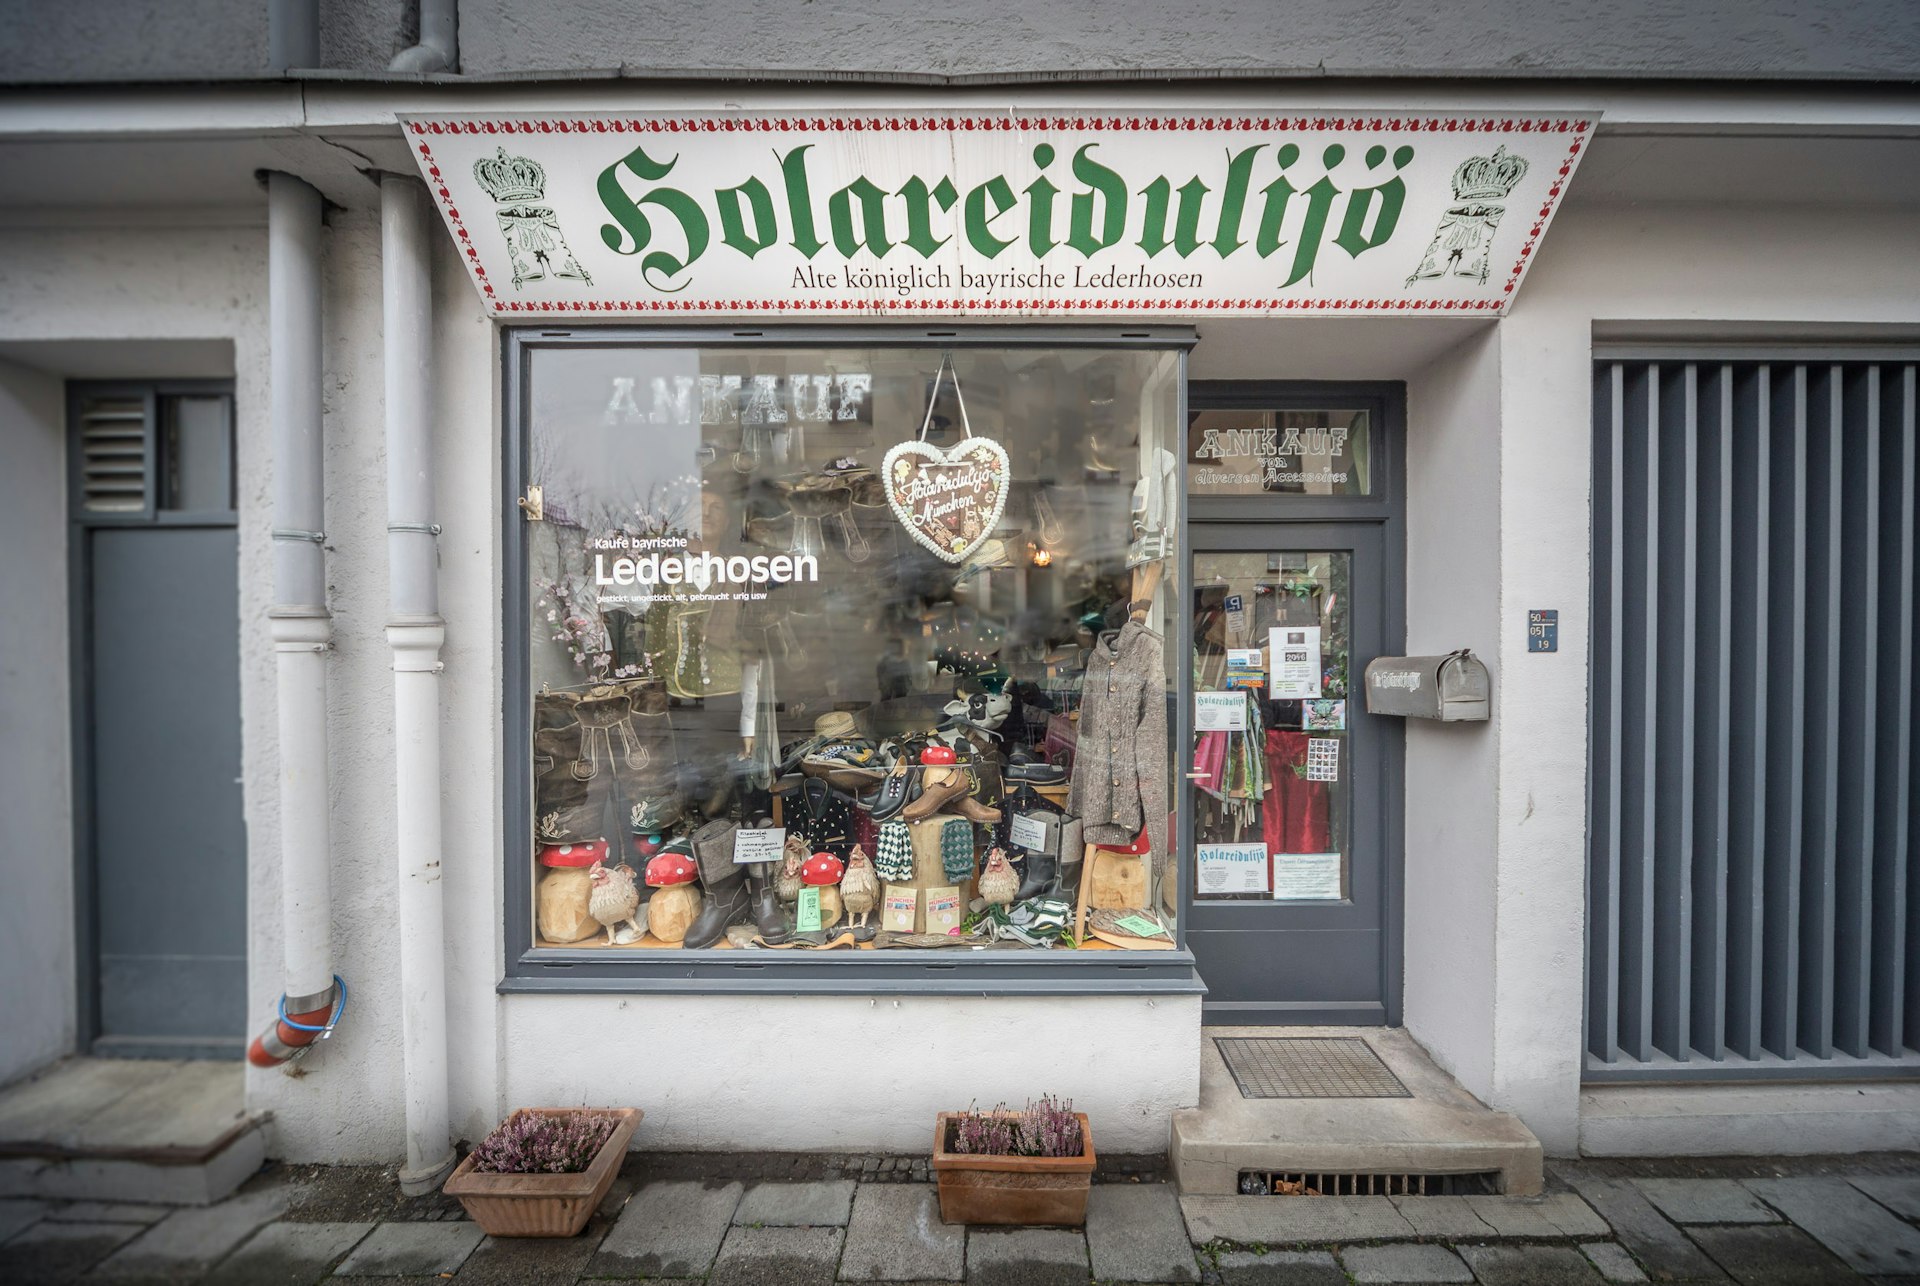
(1439, 1129)
(123, 1129)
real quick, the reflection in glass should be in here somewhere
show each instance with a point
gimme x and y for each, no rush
(902, 606)
(1251, 453)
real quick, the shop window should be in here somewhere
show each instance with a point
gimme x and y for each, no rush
(847, 647)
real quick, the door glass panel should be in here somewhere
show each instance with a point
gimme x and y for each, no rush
(1243, 452)
(1270, 763)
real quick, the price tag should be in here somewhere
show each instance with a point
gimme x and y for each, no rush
(768, 844)
(1027, 831)
(807, 914)
(1219, 712)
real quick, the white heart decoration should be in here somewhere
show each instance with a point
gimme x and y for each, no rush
(949, 500)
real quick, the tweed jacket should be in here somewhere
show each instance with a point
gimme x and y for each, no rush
(1120, 763)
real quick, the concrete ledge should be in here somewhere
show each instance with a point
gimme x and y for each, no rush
(1749, 1120)
(197, 1183)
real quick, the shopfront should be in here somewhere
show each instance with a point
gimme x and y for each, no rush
(895, 656)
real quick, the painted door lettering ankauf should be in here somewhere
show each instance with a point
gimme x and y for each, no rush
(1005, 213)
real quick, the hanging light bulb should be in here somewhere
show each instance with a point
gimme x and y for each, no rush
(1041, 556)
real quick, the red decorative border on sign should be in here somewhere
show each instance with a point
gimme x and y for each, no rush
(961, 124)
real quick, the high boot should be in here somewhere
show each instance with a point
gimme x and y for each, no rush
(768, 914)
(726, 901)
(1042, 871)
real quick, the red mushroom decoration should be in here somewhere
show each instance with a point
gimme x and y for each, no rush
(671, 911)
(938, 754)
(823, 871)
(580, 855)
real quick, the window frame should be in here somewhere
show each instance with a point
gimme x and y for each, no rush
(721, 971)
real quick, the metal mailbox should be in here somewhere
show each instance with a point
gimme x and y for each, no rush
(1451, 688)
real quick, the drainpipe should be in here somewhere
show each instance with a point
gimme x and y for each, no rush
(415, 632)
(439, 47)
(302, 627)
(293, 34)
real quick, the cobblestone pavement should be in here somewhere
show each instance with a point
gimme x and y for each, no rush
(797, 1220)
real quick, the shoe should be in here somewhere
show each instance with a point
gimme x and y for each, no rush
(768, 914)
(726, 901)
(895, 792)
(939, 785)
(1042, 872)
(1023, 766)
(975, 811)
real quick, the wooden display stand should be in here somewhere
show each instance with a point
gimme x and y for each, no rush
(1108, 880)
(928, 873)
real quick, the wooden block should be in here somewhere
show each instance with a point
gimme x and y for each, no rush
(1115, 880)
(565, 892)
(671, 912)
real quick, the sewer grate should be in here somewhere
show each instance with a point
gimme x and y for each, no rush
(1307, 1067)
(1295, 1183)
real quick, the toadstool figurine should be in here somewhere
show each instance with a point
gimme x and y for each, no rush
(671, 911)
(823, 871)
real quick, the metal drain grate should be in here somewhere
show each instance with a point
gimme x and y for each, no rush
(1307, 1067)
(1294, 1183)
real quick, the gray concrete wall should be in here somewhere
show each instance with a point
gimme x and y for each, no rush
(104, 40)
(37, 1012)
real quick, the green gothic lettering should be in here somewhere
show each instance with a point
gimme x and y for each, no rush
(920, 213)
(1040, 194)
(980, 223)
(630, 232)
(793, 171)
(733, 228)
(1392, 194)
(1106, 187)
(873, 219)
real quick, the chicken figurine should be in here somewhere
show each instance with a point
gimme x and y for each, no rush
(615, 900)
(860, 891)
(999, 881)
(786, 881)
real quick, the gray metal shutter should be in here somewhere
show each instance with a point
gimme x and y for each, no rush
(1752, 817)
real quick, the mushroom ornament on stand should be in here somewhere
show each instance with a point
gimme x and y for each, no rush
(860, 892)
(671, 910)
(822, 871)
(615, 901)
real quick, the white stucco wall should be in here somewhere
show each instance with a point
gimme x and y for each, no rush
(1453, 589)
(37, 1013)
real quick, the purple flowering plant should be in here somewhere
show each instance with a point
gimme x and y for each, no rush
(535, 1143)
(1047, 1128)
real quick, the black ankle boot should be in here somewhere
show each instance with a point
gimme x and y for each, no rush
(768, 914)
(1043, 871)
(726, 902)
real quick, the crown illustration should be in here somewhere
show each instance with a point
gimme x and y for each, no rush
(518, 178)
(1486, 178)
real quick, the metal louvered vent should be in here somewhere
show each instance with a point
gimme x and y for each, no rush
(1754, 907)
(1294, 1183)
(113, 455)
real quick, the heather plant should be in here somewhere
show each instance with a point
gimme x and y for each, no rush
(534, 1143)
(1047, 1128)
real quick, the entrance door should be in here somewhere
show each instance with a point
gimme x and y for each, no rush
(1294, 792)
(163, 848)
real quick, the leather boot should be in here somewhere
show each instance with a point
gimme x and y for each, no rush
(768, 914)
(726, 901)
(1042, 870)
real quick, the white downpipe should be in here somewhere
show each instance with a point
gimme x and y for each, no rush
(301, 625)
(415, 632)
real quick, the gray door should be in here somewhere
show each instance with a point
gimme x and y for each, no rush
(158, 737)
(1291, 813)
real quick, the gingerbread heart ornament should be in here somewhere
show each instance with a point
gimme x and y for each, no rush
(948, 500)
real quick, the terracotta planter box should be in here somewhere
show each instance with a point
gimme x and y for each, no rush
(544, 1205)
(1012, 1190)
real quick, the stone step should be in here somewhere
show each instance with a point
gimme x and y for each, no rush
(1440, 1129)
(139, 1130)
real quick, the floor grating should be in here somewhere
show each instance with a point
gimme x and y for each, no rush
(1307, 1067)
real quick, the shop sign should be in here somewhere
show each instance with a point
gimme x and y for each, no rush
(999, 213)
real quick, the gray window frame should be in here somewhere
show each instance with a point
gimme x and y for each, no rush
(713, 971)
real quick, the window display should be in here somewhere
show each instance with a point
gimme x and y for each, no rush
(850, 647)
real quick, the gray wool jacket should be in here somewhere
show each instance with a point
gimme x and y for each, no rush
(1120, 763)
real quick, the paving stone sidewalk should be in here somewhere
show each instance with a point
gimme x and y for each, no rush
(805, 1222)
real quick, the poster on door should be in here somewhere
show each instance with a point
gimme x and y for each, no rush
(1296, 662)
(1231, 868)
(1307, 877)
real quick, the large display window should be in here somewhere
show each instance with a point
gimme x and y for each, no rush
(838, 646)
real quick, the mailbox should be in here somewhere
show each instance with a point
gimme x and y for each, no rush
(1450, 688)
